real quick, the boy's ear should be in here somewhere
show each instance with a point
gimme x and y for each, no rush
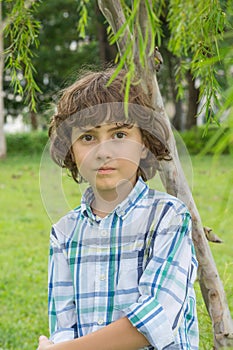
(144, 152)
(72, 155)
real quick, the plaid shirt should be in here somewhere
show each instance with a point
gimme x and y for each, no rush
(137, 262)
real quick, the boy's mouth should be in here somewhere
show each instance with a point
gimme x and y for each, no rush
(105, 170)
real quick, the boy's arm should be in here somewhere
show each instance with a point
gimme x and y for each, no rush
(61, 306)
(119, 335)
(166, 286)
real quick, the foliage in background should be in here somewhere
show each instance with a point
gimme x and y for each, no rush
(197, 141)
(62, 53)
(221, 141)
(195, 32)
(192, 35)
(57, 59)
(26, 143)
(196, 29)
(83, 20)
(21, 30)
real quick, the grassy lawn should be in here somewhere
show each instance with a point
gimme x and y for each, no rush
(24, 233)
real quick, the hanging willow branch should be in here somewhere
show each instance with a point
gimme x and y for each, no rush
(21, 31)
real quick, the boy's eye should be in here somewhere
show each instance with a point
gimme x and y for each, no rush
(87, 138)
(119, 135)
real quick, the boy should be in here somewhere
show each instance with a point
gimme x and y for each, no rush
(122, 264)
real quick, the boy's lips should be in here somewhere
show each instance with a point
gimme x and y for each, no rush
(105, 170)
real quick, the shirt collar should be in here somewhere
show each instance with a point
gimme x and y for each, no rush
(124, 208)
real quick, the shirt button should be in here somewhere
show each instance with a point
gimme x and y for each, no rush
(104, 233)
(100, 322)
(102, 277)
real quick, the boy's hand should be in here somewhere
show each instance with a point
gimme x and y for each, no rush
(44, 343)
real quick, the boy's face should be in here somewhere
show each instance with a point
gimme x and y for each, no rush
(108, 155)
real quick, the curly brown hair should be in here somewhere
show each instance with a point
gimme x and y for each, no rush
(91, 101)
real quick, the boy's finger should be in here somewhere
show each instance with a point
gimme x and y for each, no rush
(44, 343)
(43, 339)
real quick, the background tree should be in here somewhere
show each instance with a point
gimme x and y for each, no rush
(185, 113)
(62, 52)
(60, 55)
(59, 51)
(20, 30)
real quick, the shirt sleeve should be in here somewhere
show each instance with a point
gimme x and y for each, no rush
(61, 304)
(165, 283)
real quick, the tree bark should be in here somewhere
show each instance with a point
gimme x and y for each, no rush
(174, 181)
(177, 120)
(193, 92)
(2, 135)
(178, 117)
(107, 52)
(34, 121)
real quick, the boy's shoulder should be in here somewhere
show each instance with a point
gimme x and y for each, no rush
(71, 216)
(67, 223)
(155, 197)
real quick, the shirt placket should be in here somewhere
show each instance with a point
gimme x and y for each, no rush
(101, 277)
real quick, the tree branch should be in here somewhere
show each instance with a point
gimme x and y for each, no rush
(113, 12)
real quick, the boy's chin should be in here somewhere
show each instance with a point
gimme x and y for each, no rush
(119, 187)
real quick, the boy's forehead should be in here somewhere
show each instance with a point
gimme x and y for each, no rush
(115, 112)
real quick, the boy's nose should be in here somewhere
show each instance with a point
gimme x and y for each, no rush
(104, 150)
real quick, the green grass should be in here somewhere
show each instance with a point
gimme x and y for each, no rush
(213, 193)
(24, 234)
(24, 238)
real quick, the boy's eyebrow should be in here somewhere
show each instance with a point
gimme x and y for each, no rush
(88, 129)
(120, 126)
(117, 127)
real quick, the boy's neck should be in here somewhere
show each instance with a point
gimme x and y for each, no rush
(106, 201)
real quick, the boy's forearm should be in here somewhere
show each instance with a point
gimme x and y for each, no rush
(119, 335)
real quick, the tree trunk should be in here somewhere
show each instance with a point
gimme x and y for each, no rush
(175, 183)
(100, 34)
(2, 136)
(177, 121)
(107, 52)
(34, 121)
(193, 92)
